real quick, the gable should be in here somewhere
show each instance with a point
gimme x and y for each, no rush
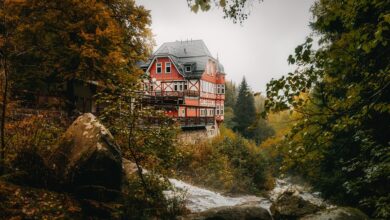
(174, 74)
(210, 72)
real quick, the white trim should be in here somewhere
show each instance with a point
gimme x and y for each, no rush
(170, 67)
(188, 71)
(169, 57)
(157, 63)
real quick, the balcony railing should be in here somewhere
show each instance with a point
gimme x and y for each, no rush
(189, 93)
(195, 121)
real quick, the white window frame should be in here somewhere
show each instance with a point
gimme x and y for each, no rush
(210, 112)
(170, 67)
(221, 89)
(202, 112)
(188, 70)
(158, 65)
(179, 86)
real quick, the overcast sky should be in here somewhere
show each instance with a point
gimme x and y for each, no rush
(258, 49)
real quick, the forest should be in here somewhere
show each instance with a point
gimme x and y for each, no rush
(325, 125)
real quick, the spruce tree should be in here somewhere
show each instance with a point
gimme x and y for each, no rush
(244, 111)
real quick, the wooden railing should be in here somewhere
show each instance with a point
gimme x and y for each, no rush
(184, 121)
(195, 121)
(174, 93)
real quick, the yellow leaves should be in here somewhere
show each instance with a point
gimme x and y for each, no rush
(116, 58)
(87, 36)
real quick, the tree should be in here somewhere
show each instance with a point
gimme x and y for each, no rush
(8, 21)
(146, 137)
(46, 44)
(237, 10)
(66, 41)
(230, 94)
(340, 93)
(244, 110)
(261, 130)
(230, 101)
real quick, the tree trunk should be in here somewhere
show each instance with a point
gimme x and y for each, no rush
(70, 97)
(3, 115)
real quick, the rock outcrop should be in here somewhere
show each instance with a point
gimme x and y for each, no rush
(87, 161)
(339, 213)
(244, 212)
(290, 205)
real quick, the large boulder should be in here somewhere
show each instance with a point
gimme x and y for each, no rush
(87, 161)
(244, 212)
(290, 205)
(339, 213)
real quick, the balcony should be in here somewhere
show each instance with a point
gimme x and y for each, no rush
(195, 121)
(188, 93)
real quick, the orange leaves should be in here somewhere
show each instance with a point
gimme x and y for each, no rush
(83, 39)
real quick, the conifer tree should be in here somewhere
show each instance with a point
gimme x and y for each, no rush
(244, 110)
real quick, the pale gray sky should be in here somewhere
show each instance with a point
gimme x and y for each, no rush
(258, 49)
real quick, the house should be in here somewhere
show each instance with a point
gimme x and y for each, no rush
(188, 83)
(70, 98)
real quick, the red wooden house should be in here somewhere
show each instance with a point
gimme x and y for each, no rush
(186, 81)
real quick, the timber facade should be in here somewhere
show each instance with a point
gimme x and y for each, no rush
(187, 82)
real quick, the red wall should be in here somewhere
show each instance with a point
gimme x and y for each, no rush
(194, 102)
(191, 112)
(173, 75)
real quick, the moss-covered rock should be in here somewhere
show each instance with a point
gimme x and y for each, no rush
(290, 205)
(339, 213)
(87, 158)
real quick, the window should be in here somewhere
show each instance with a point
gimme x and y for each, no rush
(202, 112)
(211, 112)
(158, 68)
(180, 86)
(217, 110)
(188, 69)
(167, 67)
(208, 87)
(222, 108)
(221, 89)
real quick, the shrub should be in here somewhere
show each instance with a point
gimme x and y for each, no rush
(228, 162)
(38, 133)
(151, 202)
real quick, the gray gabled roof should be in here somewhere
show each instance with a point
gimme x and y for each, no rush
(193, 48)
(182, 53)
